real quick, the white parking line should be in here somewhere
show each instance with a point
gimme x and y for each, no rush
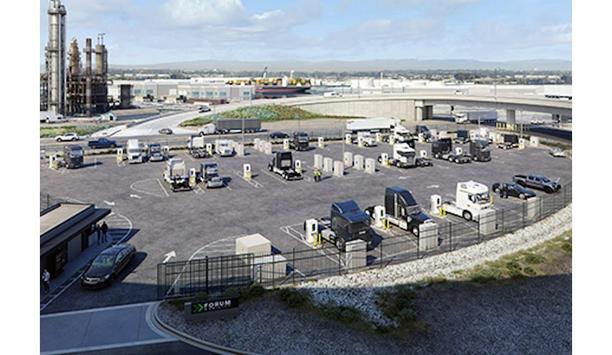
(289, 230)
(274, 176)
(163, 188)
(143, 191)
(251, 182)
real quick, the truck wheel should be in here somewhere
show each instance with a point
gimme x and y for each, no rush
(340, 244)
(415, 231)
(467, 215)
(522, 197)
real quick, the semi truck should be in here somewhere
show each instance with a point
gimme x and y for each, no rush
(282, 164)
(374, 124)
(443, 149)
(479, 150)
(403, 211)
(471, 200)
(73, 156)
(463, 136)
(223, 148)
(424, 130)
(156, 153)
(209, 174)
(510, 142)
(300, 141)
(367, 138)
(347, 222)
(404, 156)
(176, 175)
(197, 147)
(135, 151)
(231, 125)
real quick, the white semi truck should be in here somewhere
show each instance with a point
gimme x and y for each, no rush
(471, 200)
(367, 138)
(224, 148)
(404, 156)
(135, 151)
(374, 124)
(176, 175)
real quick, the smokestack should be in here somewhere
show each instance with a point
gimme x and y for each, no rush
(88, 73)
(74, 66)
(56, 54)
(101, 56)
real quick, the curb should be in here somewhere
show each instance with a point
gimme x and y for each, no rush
(191, 340)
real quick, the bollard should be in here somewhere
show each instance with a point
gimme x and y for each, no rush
(246, 171)
(348, 159)
(286, 144)
(370, 166)
(338, 168)
(268, 148)
(192, 177)
(436, 202)
(534, 142)
(119, 155)
(348, 139)
(312, 230)
(209, 148)
(328, 165)
(358, 162)
(298, 166)
(321, 141)
(239, 149)
(318, 161)
(384, 159)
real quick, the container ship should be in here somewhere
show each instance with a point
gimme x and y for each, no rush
(278, 86)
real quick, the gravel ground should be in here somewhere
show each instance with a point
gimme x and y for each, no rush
(532, 315)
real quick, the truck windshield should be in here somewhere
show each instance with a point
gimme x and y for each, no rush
(76, 152)
(358, 229)
(155, 148)
(407, 154)
(481, 198)
(133, 151)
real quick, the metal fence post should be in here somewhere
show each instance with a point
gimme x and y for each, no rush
(523, 213)
(206, 265)
(294, 268)
(381, 253)
(339, 262)
(450, 236)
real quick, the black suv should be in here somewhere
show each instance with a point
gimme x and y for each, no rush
(107, 265)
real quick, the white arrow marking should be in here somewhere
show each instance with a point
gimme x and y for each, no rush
(110, 203)
(135, 196)
(169, 256)
(433, 186)
(403, 177)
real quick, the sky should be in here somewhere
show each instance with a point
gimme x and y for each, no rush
(166, 31)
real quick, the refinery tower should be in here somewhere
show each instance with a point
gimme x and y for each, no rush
(56, 58)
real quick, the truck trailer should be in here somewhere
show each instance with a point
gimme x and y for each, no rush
(231, 125)
(374, 124)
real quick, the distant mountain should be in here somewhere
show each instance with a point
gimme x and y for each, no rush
(365, 65)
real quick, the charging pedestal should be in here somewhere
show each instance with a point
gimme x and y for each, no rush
(458, 150)
(321, 141)
(52, 159)
(209, 148)
(391, 140)
(436, 203)
(522, 143)
(421, 138)
(285, 144)
(348, 139)
(246, 171)
(119, 155)
(378, 137)
(379, 216)
(384, 157)
(423, 154)
(360, 142)
(312, 232)
(192, 177)
(298, 166)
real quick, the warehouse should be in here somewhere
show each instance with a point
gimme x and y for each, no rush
(67, 229)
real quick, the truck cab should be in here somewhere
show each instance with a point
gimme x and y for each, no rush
(404, 156)
(424, 130)
(282, 164)
(73, 156)
(471, 199)
(300, 141)
(176, 175)
(367, 139)
(156, 153)
(479, 150)
(224, 148)
(510, 141)
(441, 148)
(463, 136)
(209, 173)
(135, 151)
(403, 210)
(402, 135)
(349, 222)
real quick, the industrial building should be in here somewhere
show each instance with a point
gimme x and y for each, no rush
(75, 90)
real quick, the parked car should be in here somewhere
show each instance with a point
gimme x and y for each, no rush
(557, 152)
(165, 131)
(506, 190)
(107, 265)
(204, 109)
(68, 137)
(537, 182)
(278, 135)
(102, 143)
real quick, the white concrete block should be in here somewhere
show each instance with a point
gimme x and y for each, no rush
(338, 168)
(318, 161)
(254, 243)
(321, 142)
(533, 208)
(328, 165)
(487, 221)
(534, 142)
(268, 268)
(428, 236)
(348, 159)
(358, 162)
(268, 148)
(370, 166)
(239, 149)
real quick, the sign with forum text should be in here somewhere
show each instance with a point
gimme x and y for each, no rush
(219, 307)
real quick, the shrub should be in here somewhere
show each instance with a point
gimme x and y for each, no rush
(484, 275)
(293, 298)
(533, 259)
(252, 292)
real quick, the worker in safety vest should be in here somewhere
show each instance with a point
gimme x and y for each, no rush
(317, 175)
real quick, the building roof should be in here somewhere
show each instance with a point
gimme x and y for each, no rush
(59, 215)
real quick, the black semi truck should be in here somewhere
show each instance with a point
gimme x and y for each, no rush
(479, 150)
(300, 141)
(403, 210)
(73, 156)
(282, 164)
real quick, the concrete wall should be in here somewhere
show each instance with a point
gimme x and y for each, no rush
(402, 109)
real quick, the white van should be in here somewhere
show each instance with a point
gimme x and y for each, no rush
(50, 117)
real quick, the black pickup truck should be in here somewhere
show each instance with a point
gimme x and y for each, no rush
(538, 182)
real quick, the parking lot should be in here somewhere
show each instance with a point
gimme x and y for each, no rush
(205, 222)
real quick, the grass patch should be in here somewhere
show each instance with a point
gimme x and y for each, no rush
(526, 263)
(84, 130)
(196, 122)
(398, 304)
(274, 113)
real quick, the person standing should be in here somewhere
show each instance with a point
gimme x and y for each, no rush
(104, 229)
(98, 233)
(46, 278)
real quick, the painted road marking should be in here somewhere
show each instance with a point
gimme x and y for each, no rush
(141, 189)
(290, 230)
(276, 177)
(163, 188)
(251, 182)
